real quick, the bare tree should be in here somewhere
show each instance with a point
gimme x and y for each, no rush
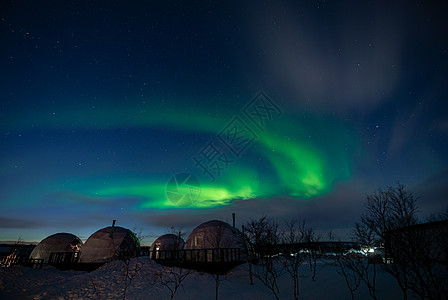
(126, 251)
(356, 268)
(295, 236)
(171, 278)
(181, 235)
(251, 258)
(390, 221)
(364, 267)
(219, 238)
(130, 269)
(264, 236)
(314, 251)
(218, 279)
(343, 266)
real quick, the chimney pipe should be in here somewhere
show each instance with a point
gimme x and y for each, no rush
(233, 217)
(113, 223)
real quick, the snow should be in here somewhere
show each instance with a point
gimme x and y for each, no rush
(107, 282)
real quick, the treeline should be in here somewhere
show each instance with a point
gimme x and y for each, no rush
(393, 238)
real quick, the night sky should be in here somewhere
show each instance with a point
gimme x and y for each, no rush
(293, 109)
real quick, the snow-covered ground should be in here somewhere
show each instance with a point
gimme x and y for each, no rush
(107, 283)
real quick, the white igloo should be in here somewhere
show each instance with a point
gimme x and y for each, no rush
(58, 242)
(109, 244)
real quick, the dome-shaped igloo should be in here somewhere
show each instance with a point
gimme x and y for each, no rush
(167, 246)
(58, 242)
(109, 244)
(168, 242)
(213, 234)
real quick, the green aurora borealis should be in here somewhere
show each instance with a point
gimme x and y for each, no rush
(303, 161)
(302, 158)
(102, 104)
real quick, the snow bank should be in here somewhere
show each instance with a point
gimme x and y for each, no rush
(108, 282)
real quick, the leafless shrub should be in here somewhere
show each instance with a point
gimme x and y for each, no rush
(344, 268)
(295, 237)
(171, 278)
(264, 236)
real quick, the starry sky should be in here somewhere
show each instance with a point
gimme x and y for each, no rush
(165, 114)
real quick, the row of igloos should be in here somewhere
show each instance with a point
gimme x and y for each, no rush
(108, 243)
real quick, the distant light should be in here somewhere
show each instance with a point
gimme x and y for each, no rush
(371, 250)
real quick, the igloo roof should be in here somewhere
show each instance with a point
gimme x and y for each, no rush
(58, 242)
(213, 234)
(214, 223)
(108, 244)
(168, 242)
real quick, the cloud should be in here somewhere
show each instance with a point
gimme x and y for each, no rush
(69, 196)
(353, 65)
(404, 129)
(337, 210)
(6, 222)
(432, 194)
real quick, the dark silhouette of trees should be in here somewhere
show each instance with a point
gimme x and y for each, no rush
(274, 251)
(264, 236)
(218, 238)
(295, 236)
(172, 278)
(390, 221)
(344, 266)
(249, 251)
(314, 252)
